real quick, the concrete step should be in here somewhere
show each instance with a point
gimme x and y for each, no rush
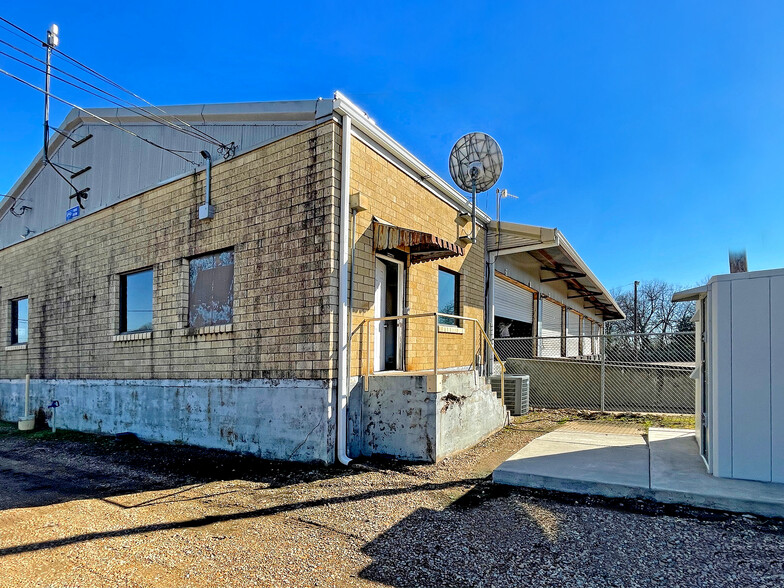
(666, 468)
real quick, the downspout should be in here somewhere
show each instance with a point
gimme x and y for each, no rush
(489, 303)
(207, 210)
(343, 371)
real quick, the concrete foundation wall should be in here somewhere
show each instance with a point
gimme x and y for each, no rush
(467, 413)
(398, 416)
(274, 419)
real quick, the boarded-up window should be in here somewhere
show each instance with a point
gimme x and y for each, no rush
(211, 295)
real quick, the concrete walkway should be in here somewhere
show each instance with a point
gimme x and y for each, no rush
(666, 468)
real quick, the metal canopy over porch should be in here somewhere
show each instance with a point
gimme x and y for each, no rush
(558, 262)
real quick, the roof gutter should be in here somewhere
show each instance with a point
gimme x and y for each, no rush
(524, 248)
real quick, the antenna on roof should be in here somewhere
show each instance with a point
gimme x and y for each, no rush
(475, 165)
(52, 41)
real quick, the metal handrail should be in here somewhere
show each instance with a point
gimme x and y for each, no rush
(436, 315)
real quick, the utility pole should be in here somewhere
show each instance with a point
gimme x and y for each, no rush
(52, 40)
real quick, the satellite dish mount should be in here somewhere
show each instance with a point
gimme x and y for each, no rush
(475, 165)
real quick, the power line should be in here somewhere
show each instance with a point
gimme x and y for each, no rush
(227, 150)
(35, 40)
(119, 87)
(62, 134)
(79, 193)
(72, 105)
(152, 117)
(130, 106)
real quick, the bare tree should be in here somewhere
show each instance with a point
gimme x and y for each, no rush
(656, 312)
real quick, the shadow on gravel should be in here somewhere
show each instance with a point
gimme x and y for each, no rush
(500, 535)
(212, 519)
(39, 469)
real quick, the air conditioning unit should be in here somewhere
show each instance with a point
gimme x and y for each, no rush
(515, 392)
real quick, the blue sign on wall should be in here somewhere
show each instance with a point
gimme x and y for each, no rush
(71, 213)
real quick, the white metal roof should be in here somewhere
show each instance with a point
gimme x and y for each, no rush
(550, 247)
(123, 167)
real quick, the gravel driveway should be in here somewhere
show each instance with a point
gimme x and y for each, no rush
(85, 511)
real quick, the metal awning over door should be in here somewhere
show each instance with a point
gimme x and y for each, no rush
(420, 245)
(513, 302)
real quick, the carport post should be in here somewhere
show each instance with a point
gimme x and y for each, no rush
(603, 342)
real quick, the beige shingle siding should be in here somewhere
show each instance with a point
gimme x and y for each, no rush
(278, 208)
(398, 199)
(275, 206)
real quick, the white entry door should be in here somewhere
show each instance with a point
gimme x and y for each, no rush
(388, 301)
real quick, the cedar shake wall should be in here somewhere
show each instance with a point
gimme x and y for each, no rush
(275, 206)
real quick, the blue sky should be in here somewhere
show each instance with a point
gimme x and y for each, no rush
(651, 134)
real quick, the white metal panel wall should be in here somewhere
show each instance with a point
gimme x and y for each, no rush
(596, 338)
(572, 334)
(745, 372)
(720, 351)
(585, 329)
(551, 327)
(122, 166)
(777, 377)
(513, 302)
(751, 451)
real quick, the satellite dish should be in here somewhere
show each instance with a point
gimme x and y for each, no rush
(475, 162)
(475, 165)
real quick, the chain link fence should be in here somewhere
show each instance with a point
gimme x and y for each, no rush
(645, 372)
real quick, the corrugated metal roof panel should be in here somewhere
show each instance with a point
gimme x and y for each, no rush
(122, 166)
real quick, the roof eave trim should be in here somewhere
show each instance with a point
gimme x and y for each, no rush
(344, 106)
(690, 294)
